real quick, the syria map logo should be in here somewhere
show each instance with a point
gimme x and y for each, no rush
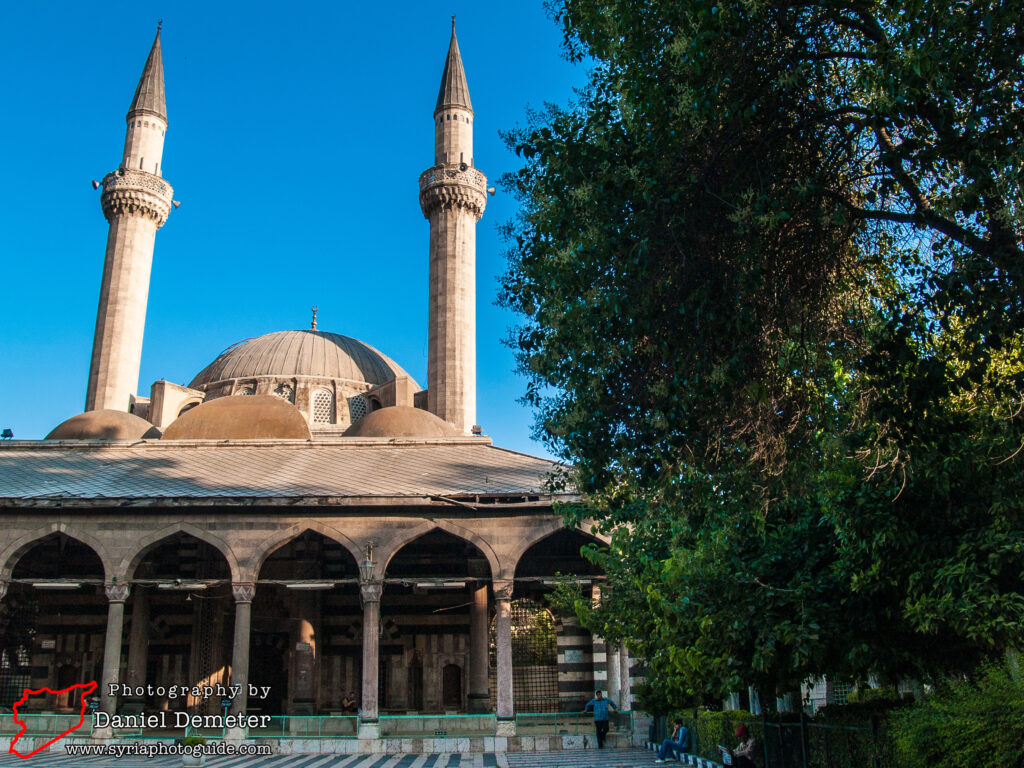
(86, 688)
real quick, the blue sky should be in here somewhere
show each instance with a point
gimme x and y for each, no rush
(297, 134)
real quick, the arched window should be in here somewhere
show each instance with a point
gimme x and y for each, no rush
(534, 657)
(451, 686)
(285, 391)
(357, 408)
(323, 407)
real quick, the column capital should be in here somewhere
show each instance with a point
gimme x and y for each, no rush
(3, 589)
(370, 591)
(117, 592)
(503, 589)
(243, 592)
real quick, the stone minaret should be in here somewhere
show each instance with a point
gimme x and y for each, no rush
(453, 195)
(136, 202)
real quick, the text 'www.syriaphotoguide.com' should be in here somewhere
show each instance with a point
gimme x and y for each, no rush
(140, 749)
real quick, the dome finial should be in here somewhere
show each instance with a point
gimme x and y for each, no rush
(312, 326)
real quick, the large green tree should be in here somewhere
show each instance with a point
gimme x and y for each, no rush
(770, 269)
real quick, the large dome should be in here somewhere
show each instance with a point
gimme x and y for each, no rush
(301, 353)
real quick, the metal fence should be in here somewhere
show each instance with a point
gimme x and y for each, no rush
(41, 724)
(568, 723)
(307, 727)
(343, 726)
(437, 726)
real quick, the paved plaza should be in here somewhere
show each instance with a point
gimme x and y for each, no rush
(608, 758)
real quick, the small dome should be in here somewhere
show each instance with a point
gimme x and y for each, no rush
(301, 353)
(401, 421)
(253, 417)
(104, 425)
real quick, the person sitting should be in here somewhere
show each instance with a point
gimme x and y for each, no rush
(348, 704)
(743, 754)
(675, 746)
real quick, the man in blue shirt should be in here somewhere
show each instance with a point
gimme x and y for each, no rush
(599, 705)
(678, 743)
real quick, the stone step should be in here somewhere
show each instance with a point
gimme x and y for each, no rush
(589, 758)
(366, 760)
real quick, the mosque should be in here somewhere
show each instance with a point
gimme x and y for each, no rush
(301, 519)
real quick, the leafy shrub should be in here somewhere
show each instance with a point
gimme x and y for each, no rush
(871, 695)
(714, 728)
(964, 723)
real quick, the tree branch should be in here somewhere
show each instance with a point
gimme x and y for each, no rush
(923, 219)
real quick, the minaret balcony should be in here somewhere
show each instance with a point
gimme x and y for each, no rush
(138, 193)
(458, 173)
(453, 185)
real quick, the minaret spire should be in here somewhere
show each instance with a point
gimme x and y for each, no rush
(454, 90)
(453, 195)
(136, 201)
(149, 95)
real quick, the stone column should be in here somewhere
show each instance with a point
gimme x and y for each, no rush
(479, 692)
(787, 702)
(599, 651)
(370, 593)
(116, 595)
(614, 686)
(503, 647)
(243, 594)
(138, 648)
(755, 700)
(3, 589)
(625, 679)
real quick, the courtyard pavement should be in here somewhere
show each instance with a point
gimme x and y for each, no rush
(588, 758)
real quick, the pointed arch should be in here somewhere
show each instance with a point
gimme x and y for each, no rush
(408, 536)
(13, 552)
(150, 541)
(282, 538)
(516, 558)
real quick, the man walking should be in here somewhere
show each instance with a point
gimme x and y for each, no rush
(599, 705)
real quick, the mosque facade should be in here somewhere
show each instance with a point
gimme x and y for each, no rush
(302, 519)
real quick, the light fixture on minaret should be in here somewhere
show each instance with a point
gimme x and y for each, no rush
(136, 201)
(453, 195)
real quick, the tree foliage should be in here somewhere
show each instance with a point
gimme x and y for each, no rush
(965, 723)
(770, 270)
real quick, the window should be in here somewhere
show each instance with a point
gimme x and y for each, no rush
(357, 407)
(285, 392)
(323, 407)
